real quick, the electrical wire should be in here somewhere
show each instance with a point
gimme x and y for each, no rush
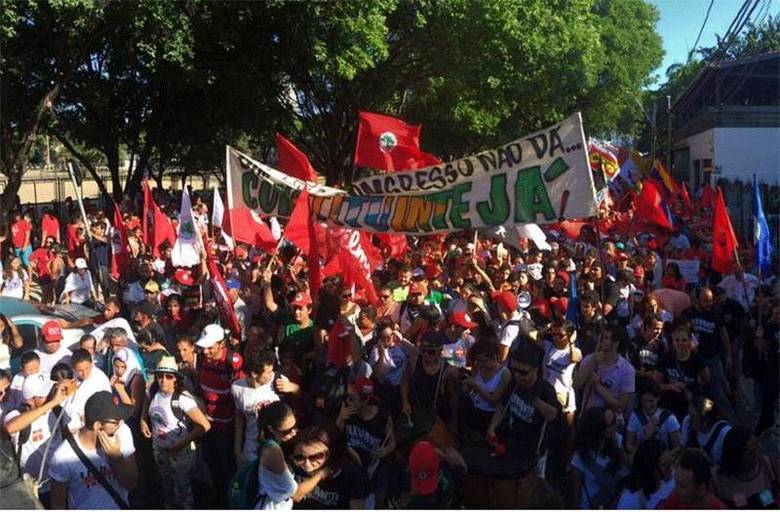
(704, 23)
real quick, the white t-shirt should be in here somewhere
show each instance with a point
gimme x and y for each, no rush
(62, 355)
(716, 452)
(249, 401)
(35, 446)
(97, 381)
(80, 288)
(559, 371)
(743, 291)
(84, 491)
(15, 396)
(664, 432)
(632, 501)
(166, 428)
(14, 287)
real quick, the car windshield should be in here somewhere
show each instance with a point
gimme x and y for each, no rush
(68, 312)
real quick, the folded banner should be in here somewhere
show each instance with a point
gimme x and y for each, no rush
(536, 179)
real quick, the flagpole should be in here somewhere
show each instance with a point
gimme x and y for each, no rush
(229, 193)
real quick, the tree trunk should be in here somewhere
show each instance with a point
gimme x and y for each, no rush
(16, 164)
(83, 160)
(112, 159)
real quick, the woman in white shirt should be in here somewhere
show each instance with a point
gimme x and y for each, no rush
(78, 285)
(173, 420)
(651, 479)
(16, 281)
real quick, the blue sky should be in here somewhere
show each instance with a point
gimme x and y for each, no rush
(681, 20)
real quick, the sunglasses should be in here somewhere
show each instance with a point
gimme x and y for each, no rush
(346, 295)
(314, 458)
(287, 431)
(165, 376)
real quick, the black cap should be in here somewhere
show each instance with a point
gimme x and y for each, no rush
(102, 406)
(146, 308)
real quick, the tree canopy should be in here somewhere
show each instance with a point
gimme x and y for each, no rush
(170, 83)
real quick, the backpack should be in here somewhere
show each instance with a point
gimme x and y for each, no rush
(178, 412)
(693, 441)
(243, 490)
(644, 420)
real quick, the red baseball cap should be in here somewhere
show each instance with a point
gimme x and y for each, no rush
(424, 465)
(415, 288)
(301, 299)
(565, 276)
(51, 332)
(364, 386)
(506, 298)
(462, 319)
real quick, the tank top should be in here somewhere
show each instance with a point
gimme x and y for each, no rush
(490, 386)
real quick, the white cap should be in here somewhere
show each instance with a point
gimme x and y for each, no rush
(159, 266)
(418, 272)
(36, 385)
(81, 263)
(210, 336)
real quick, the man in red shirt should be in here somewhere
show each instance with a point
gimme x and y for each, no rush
(50, 225)
(692, 483)
(41, 259)
(217, 369)
(20, 238)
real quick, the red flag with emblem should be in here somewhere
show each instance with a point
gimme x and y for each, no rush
(395, 245)
(650, 205)
(225, 307)
(302, 231)
(387, 143)
(724, 240)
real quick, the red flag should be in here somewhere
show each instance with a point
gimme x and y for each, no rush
(724, 240)
(709, 197)
(650, 206)
(387, 143)
(249, 228)
(395, 245)
(145, 217)
(119, 251)
(352, 261)
(293, 161)
(571, 228)
(685, 197)
(297, 229)
(225, 307)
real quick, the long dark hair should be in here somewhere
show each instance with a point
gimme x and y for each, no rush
(271, 417)
(643, 471)
(588, 438)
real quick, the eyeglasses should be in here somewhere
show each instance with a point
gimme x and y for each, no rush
(287, 431)
(314, 458)
(346, 295)
(165, 376)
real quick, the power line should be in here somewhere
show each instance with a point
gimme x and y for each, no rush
(704, 23)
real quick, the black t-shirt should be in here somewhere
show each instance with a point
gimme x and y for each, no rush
(645, 356)
(680, 371)
(366, 436)
(707, 325)
(522, 421)
(337, 491)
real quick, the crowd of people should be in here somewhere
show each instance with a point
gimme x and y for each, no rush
(587, 374)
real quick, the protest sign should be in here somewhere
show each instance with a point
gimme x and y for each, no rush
(689, 269)
(536, 179)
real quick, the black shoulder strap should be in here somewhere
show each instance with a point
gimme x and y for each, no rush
(97, 474)
(716, 430)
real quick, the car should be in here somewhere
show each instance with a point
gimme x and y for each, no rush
(29, 319)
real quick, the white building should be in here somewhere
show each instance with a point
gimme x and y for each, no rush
(727, 123)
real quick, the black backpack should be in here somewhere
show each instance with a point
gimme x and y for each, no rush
(644, 420)
(693, 441)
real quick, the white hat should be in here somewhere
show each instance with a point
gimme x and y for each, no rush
(418, 272)
(210, 336)
(524, 300)
(36, 385)
(158, 266)
(81, 263)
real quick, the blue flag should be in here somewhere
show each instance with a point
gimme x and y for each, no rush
(761, 234)
(573, 309)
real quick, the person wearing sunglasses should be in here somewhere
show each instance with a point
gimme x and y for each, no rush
(521, 420)
(277, 485)
(340, 482)
(429, 390)
(387, 307)
(369, 434)
(173, 420)
(348, 308)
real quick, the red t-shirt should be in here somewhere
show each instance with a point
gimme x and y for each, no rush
(41, 257)
(19, 231)
(215, 379)
(71, 238)
(50, 227)
(673, 502)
